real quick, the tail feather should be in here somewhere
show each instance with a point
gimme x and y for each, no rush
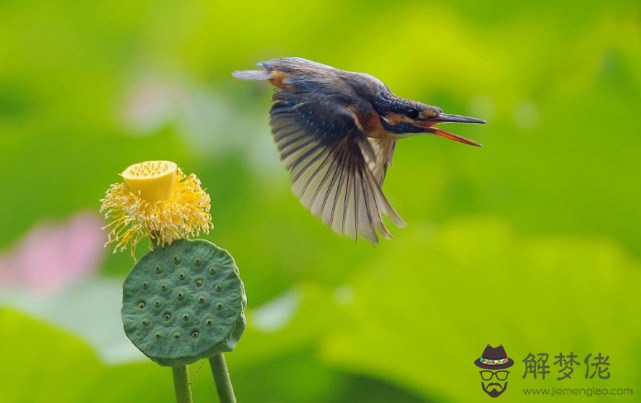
(253, 75)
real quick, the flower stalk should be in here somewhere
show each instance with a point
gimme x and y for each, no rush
(181, 384)
(222, 379)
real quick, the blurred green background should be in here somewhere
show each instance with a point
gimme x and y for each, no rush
(531, 242)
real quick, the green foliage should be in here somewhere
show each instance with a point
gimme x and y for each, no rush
(293, 374)
(385, 329)
(184, 302)
(428, 321)
(69, 369)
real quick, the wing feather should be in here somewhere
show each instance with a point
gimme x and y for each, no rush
(336, 171)
(380, 157)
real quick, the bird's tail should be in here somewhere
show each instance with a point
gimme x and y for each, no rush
(253, 75)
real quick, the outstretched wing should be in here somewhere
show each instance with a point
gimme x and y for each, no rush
(336, 171)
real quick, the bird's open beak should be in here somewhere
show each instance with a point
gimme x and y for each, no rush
(428, 126)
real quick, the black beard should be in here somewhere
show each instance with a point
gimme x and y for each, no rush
(496, 392)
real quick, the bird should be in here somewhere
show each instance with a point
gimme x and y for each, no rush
(336, 132)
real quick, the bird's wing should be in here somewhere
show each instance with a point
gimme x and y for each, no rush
(334, 168)
(383, 150)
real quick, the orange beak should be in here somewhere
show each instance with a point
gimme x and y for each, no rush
(429, 123)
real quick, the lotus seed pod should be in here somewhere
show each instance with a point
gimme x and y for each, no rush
(184, 302)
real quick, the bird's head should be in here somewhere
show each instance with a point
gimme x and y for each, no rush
(404, 117)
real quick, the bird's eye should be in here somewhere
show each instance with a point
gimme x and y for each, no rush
(412, 113)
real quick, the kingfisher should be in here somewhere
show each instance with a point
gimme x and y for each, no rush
(336, 132)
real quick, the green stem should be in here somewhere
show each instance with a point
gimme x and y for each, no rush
(221, 377)
(181, 384)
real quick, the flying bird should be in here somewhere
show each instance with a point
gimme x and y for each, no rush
(336, 132)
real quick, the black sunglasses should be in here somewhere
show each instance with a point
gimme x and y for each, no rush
(500, 375)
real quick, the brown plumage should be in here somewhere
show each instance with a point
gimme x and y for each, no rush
(336, 132)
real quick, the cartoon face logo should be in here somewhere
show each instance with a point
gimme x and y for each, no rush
(493, 364)
(494, 389)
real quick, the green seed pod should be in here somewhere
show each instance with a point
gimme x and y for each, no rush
(184, 302)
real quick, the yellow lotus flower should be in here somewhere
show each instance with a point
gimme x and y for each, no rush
(157, 201)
